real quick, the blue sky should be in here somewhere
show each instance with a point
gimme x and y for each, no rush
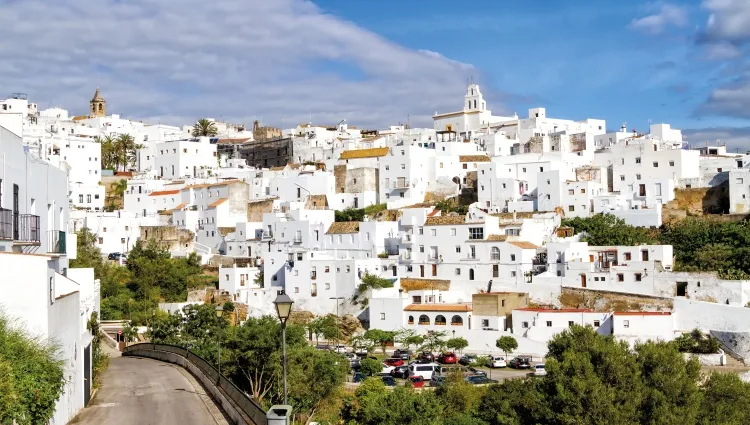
(377, 63)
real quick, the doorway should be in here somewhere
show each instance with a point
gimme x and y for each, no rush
(434, 269)
(421, 270)
(583, 280)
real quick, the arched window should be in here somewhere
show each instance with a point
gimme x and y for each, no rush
(424, 320)
(411, 320)
(471, 274)
(495, 253)
(440, 319)
(469, 104)
(475, 104)
(457, 320)
(101, 107)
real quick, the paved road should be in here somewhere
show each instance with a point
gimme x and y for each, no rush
(142, 392)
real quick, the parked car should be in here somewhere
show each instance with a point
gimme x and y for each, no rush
(521, 362)
(426, 355)
(394, 362)
(479, 380)
(447, 369)
(426, 370)
(437, 380)
(417, 381)
(387, 369)
(358, 377)
(468, 359)
(496, 361)
(388, 381)
(402, 354)
(539, 370)
(447, 358)
(360, 351)
(120, 258)
(421, 361)
(401, 372)
(339, 348)
(476, 371)
(355, 363)
(114, 256)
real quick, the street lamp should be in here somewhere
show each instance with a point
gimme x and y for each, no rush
(284, 309)
(338, 328)
(219, 313)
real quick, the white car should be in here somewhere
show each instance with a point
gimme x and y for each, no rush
(496, 361)
(539, 370)
(387, 369)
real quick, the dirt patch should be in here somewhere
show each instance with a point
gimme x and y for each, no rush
(612, 301)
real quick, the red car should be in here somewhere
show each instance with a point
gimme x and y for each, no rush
(447, 358)
(417, 381)
(393, 362)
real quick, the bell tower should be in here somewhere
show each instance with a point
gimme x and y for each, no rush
(98, 106)
(474, 101)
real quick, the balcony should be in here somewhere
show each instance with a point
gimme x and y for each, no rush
(56, 242)
(6, 224)
(401, 185)
(297, 240)
(407, 239)
(313, 275)
(267, 234)
(26, 230)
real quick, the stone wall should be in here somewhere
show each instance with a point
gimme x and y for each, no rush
(735, 343)
(169, 237)
(339, 173)
(612, 301)
(256, 209)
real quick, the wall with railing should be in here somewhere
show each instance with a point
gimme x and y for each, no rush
(239, 407)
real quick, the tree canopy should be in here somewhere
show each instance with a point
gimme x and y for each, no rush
(204, 128)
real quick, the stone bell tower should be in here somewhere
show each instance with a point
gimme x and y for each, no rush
(98, 105)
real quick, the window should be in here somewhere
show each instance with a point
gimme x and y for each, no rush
(524, 169)
(637, 176)
(513, 273)
(620, 277)
(718, 170)
(122, 240)
(80, 199)
(476, 233)
(571, 192)
(627, 256)
(97, 196)
(328, 286)
(549, 323)
(570, 323)
(571, 208)
(638, 277)
(458, 271)
(622, 177)
(626, 323)
(671, 163)
(348, 269)
(101, 241)
(739, 181)
(656, 164)
(512, 257)
(596, 323)
(275, 278)
(433, 232)
(328, 269)
(495, 253)
(382, 316)
(421, 248)
(524, 324)
(465, 166)
(420, 230)
(638, 160)
(403, 166)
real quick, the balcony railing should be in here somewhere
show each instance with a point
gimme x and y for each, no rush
(407, 238)
(6, 224)
(56, 242)
(267, 234)
(400, 184)
(27, 230)
(298, 240)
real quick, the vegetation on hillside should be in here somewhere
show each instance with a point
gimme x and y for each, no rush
(151, 276)
(31, 376)
(358, 214)
(699, 244)
(118, 153)
(591, 380)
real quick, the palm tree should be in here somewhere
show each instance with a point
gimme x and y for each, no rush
(204, 128)
(108, 154)
(125, 148)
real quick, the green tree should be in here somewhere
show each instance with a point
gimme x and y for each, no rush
(204, 128)
(434, 341)
(31, 375)
(457, 344)
(321, 371)
(349, 214)
(506, 343)
(724, 396)
(606, 229)
(130, 333)
(109, 157)
(370, 367)
(380, 337)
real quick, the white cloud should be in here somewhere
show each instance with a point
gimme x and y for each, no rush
(721, 51)
(736, 139)
(728, 20)
(731, 100)
(666, 15)
(176, 60)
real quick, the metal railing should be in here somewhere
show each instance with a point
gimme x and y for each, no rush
(56, 241)
(236, 396)
(28, 229)
(6, 224)
(297, 240)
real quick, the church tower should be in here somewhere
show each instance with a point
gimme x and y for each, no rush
(474, 101)
(98, 106)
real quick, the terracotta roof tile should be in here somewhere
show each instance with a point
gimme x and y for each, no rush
(497, 238)
(551, 310)
(445, 220)
(343, 227)
(230, 141)
(438, 307)
(218, 202)
(642, 313)
(364, 153)
(523, 245)
(473, 158)
(164, 192)
(179, 207)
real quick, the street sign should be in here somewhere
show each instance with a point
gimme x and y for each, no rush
(119, 332)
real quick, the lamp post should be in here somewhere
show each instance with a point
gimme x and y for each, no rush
(219, 313)
(284, 309)
(338, 328)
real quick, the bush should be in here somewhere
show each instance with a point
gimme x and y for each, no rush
(697, 343)
(370, 367)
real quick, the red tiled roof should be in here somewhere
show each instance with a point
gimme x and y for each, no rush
(438, 307)
(217, 202)
(562, 310)
(643, 313)
(164, 192)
